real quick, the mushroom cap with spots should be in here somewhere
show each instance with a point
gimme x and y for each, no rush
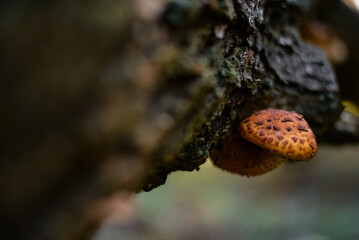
(244, 158)
(264, 141)
(282, 132)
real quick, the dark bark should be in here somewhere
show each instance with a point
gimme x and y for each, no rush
(341, 23)
(106, 96)
(344, 21)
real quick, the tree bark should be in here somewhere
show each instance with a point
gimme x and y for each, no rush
(116, 95)
(344, 21)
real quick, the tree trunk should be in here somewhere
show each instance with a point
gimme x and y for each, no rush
(115, 95)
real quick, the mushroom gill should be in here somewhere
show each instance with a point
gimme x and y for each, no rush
(244, 158)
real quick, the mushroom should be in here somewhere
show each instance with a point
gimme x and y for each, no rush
(244, 158)
(270, 137)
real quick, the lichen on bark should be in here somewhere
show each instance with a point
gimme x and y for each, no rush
(260, 62)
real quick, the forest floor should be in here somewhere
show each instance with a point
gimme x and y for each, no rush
(316, 200)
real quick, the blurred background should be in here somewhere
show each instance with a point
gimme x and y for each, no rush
(315, 200)
(94, 92)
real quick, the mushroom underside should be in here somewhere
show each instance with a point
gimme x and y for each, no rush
(244, 158)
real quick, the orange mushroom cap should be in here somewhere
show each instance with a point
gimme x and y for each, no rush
(244, 158)
(282, 132)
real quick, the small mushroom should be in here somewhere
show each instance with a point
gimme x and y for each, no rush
(282, 132)
(265, 140)
(244, 158)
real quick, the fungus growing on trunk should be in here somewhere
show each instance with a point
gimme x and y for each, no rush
(244, 158)
(270, 137)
